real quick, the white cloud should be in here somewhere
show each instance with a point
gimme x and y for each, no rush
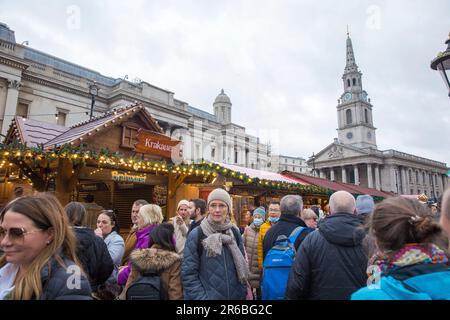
(280, 62)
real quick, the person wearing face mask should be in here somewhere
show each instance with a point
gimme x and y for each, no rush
(250, 237)
(274, 216)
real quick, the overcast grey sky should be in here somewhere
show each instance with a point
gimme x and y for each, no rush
(280, 62)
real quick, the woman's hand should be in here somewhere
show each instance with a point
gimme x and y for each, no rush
(98, 232)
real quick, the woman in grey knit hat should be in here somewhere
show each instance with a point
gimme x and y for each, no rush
(214, 265)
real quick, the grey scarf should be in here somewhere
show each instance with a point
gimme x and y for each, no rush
(215, 240)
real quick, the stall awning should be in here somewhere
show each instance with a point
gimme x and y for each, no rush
(261, 175)
(335, 185)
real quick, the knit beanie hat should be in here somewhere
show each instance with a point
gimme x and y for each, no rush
(364, 204)
(220, 194)
(261, 211)
(185, 202)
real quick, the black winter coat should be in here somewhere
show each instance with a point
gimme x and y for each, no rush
(64, 283)
(284, 226)
(331, 263)
(94, 256)
(210, 278)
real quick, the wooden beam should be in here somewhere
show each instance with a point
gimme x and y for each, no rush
(66, 180)
(174, 182)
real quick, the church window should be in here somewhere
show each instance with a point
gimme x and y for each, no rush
(366, 116)
(354, 81)
(348, 82)
(348, 116)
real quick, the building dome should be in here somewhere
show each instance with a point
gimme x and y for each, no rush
(222, 98)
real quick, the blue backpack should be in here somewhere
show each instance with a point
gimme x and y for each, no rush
(277, 265)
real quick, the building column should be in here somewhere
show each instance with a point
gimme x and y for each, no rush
(356, 172)
(369, 176)
(377, 177)
(344, 175)
(12, 97)
(322, 174)
(394, 179)
(441, 183)
(404, 185)
(332, 174)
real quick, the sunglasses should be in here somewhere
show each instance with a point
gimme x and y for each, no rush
(15, 233)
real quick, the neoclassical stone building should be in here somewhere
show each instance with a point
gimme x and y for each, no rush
(39, 86)
(354, 157)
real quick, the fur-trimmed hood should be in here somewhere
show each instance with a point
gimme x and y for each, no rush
(153, 259)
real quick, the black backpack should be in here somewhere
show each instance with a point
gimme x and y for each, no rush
(147, 287)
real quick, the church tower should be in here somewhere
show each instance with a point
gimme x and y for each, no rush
(222, 108)
(355, 121)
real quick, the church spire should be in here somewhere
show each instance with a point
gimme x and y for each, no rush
(350, 64)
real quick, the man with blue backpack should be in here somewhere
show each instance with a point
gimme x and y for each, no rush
(279, 247)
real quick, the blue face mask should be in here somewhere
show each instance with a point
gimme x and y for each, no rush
(273, 219)
(258, 221)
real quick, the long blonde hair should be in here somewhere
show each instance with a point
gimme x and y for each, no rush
(46, 212)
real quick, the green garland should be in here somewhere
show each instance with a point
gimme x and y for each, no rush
(106, 158)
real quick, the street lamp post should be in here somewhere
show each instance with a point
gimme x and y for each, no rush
(442, 63)
(93, 90)
(313, 157)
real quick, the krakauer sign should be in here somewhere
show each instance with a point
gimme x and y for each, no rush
(158, 144)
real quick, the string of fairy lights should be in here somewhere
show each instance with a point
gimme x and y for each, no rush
(15, 153)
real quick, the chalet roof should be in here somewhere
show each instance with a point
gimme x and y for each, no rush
(33, 133)
(260, 174)
(335, 185)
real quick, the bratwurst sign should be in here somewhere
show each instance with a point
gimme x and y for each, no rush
(158, 144)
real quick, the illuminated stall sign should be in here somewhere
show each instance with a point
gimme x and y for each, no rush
(125, 177)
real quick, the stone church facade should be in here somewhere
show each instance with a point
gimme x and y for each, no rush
(353, 157)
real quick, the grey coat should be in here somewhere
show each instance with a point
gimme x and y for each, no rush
(210, 278)
(251, 236)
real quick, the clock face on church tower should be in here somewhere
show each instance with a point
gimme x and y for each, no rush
(347, 97)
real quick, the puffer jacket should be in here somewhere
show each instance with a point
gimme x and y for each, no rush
(142, 242)
(415, 282)
(60, 283)
(210, 278)
(166, 263)
(262, 232)
(94, 256)
(331, 262)
(250, 237)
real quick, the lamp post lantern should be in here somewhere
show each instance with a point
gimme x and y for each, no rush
(93, 90)
(442, 63)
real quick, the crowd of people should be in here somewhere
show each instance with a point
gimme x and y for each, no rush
(353, 249)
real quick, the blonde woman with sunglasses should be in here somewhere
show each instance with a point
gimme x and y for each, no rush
(39, 260)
